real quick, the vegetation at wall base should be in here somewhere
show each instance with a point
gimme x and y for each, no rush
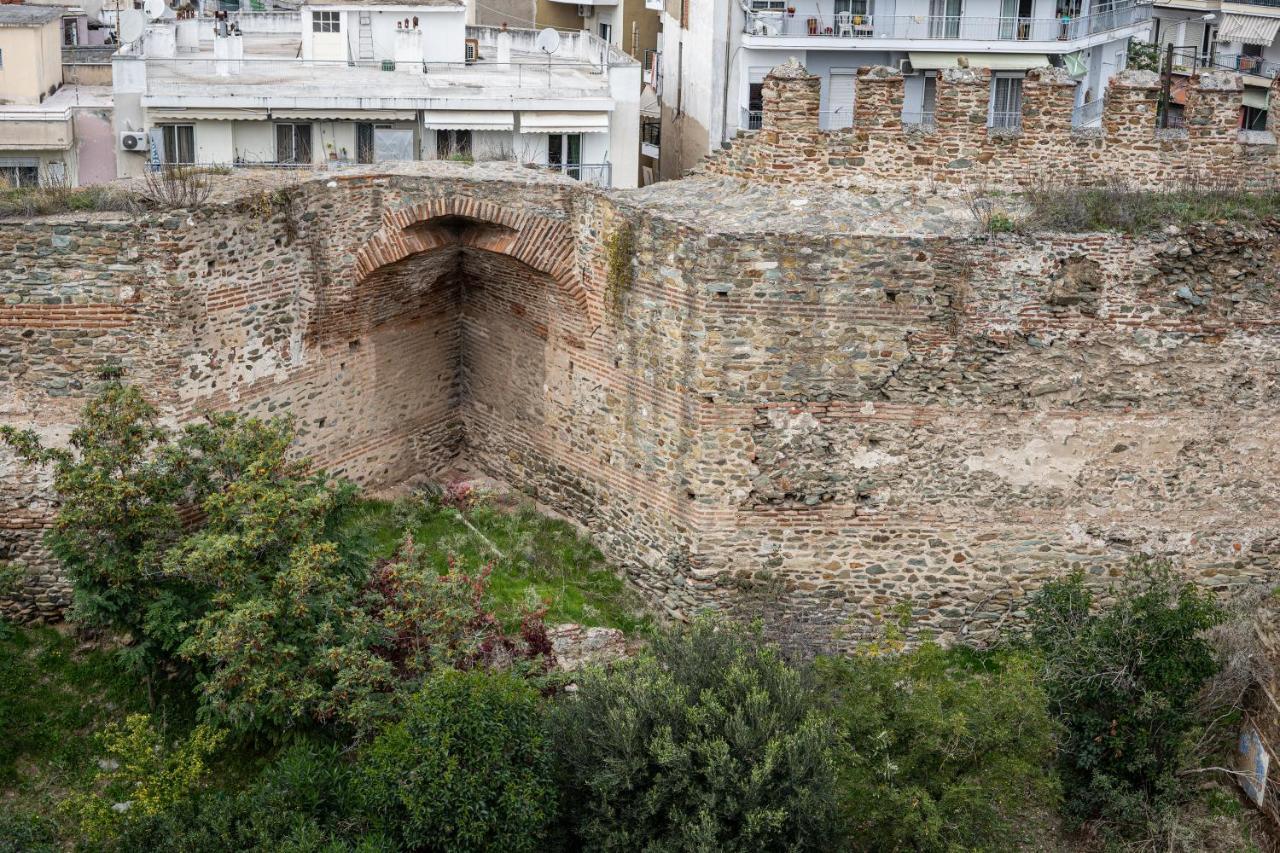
(266, 661)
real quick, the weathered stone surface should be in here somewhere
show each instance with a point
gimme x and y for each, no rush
(834, 401)
(577, 646)
(957, 147)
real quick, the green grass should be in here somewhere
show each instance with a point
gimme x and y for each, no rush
(544, 561)
(53, 699)
(1135, 211)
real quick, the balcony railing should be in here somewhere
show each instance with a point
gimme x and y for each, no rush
(920, 119)
(1088, 115)
(827, 119)
(599, 174)
(844, 25)
(1006, 120)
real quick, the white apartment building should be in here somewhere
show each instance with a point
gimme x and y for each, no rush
(715, 54)
(351, 82)
(1237, 36)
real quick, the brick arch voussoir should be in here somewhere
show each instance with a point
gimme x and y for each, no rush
(536, 241)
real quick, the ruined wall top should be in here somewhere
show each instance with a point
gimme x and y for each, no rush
(1047, 142)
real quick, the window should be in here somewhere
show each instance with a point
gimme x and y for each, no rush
(1253, 119)
(606, 32)
(564, 151)
(325, 22)
(768, 5)
(178, 143)
(19, 173)
(70, 36)
(1006, 102)
(364, 143)
(453, 144)
(755, 106)
(293, 143)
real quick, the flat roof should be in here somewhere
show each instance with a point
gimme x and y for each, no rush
(28, 16)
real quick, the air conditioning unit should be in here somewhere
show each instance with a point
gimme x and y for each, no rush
(472, 51)
(134, 140)
(905, 66)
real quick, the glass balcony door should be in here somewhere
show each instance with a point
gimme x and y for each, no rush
(944, 18)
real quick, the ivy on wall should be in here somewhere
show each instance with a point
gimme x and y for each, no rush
(620, 251)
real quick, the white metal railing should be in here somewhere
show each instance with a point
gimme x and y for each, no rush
(752, 119)
(836, 119)
(1007, 120)
(599, 174)
(1088, 115)
(831, 24)
(922, 119)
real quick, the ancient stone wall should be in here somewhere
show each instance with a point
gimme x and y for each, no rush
(958, 147)
(803, 422)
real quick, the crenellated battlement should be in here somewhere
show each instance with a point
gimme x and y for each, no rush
(959, 146)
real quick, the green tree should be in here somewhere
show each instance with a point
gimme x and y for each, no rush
(121, 488)
(709, 741)
(1123, 676)
(468, 768)
(947, 750)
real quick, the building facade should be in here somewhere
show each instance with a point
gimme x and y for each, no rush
(363, 83)
(50, 133)
(716, 54)
(1235, 36)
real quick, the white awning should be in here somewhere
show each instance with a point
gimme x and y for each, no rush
(468, 120)
(994, 61)
(1254, 97)
(346, 115)
(208, 114)
(538, 121)
(1250, 29)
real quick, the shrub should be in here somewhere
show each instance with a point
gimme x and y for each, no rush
(300, 801)
(142, 777)
(948, 750)
(467, 768)
(1132, 210)
(709, 741)
(1123, 679)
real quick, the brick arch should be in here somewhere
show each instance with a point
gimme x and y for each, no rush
(544, 244)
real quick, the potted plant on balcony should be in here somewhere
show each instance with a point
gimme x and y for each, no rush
(813, 26)
(791, 11)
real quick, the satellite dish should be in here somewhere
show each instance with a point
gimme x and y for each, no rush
(92, 8)
(130, 25)
(548, 41)
(154, 9)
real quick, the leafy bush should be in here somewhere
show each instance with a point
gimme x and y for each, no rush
(948, 750)
(467, 768)
(301, 801)
(210, 546)
(1123, 679)
(709, 741)
(142, 776)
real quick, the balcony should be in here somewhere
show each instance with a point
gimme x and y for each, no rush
(828, 28)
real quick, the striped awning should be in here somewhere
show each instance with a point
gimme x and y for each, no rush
(931, 61)
(1250, 29)
(207, 114)
(540, 121)
(346, 115)
(468, 119)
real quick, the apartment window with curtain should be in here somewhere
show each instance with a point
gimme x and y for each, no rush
(19, 173)
(1006, 101)
(178, 143)
(293, 143)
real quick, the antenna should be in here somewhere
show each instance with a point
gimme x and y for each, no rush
(130, 25)
(548, 41)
